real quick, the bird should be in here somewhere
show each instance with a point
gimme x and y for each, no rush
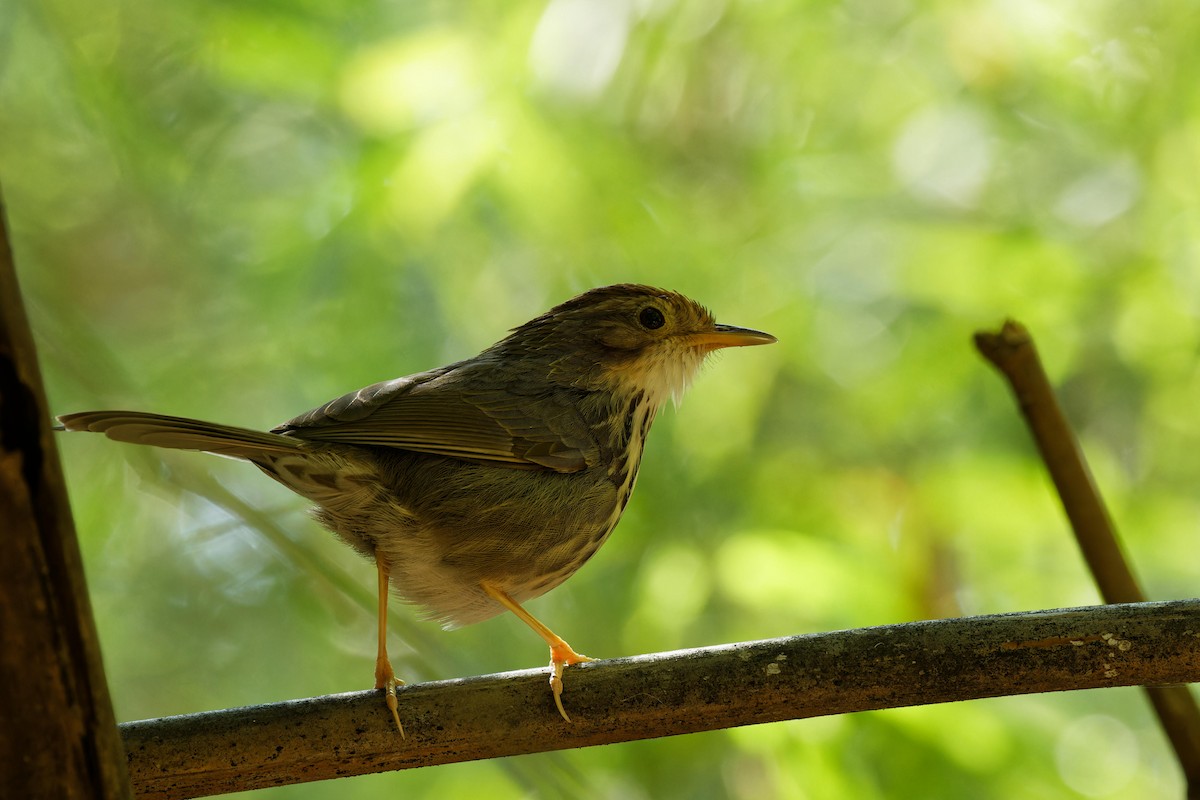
(478, 486)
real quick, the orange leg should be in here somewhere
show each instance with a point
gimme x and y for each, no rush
(561, 654)
(385, 676)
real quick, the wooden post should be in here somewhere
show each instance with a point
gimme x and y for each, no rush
(59, 738)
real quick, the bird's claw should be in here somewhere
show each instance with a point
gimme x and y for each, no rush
(393, 704)
(385, 678)
(556, 686)
(561, 658)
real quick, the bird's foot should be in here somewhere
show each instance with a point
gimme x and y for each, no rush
(385, 678)
(562, 656)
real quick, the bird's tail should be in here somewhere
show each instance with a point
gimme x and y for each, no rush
(181, 433)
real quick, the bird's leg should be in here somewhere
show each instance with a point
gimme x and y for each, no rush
(385, 676)
(561, 653)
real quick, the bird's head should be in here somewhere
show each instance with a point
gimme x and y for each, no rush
(628, 338)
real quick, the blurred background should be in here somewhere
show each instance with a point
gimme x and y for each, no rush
(237, 211)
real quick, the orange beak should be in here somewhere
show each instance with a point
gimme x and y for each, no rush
(729, 336)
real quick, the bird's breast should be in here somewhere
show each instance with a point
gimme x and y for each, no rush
(635, 420)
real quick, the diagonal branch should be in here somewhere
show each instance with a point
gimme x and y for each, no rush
(667, 694)
(1012, 351)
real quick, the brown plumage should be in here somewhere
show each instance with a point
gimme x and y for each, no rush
(488, 482)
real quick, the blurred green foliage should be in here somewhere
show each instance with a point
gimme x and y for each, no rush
(236, 211)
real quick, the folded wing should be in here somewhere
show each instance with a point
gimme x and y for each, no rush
(459, 412)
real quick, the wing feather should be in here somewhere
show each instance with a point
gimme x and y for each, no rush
(462, 411)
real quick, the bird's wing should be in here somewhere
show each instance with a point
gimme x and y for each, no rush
(450, 412)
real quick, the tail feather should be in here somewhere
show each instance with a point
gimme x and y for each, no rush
(181, 433)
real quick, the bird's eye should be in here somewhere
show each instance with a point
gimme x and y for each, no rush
(651, 318)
